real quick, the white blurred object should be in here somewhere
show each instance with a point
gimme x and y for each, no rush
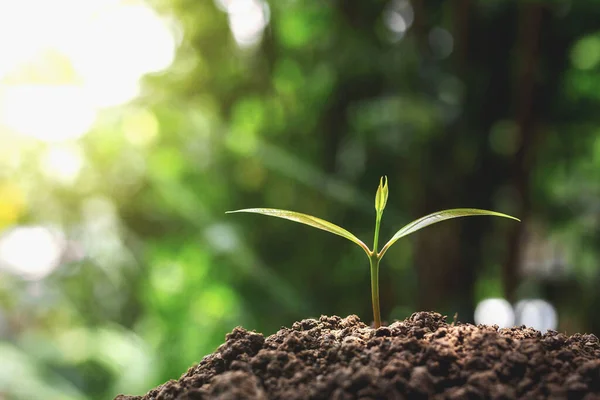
(398, 17)
(222, 237)
(247, 19)
(537, 314)
(31, 252)
(495, 311)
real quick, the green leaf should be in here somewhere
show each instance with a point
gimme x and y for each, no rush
(439, 217)
(307, 220)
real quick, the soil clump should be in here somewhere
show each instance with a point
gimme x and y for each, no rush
(421, 357)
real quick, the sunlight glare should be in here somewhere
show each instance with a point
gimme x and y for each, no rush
(32, 252)
(63, 162)
(46, 112)
(17, 41)
(65, 59)
(117, 48)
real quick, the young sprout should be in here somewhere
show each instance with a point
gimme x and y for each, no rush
(375, 255)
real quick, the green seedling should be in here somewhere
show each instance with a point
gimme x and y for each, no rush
(374, 255)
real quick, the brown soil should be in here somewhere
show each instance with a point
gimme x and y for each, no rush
(421, 357)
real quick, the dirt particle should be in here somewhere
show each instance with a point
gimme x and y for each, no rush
(383, 331)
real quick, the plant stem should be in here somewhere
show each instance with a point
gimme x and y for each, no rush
(376, 238)
(374, 261)
(374, 266)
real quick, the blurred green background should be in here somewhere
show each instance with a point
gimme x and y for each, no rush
(128, 128)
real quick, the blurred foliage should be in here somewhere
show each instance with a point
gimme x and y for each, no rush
(487, 104)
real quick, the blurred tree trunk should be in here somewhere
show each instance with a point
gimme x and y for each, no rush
(353, 86)
(448, 258)
(528, 54)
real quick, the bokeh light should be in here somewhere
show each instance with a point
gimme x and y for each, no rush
(247, 19)
(586, 52)
(63, 162)
(12, 203)
(398, 17)
(494, 311)
(31, 252)
(441, 42)
(536, 313)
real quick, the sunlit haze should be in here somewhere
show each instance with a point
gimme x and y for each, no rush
(61, 63)
(69, 58)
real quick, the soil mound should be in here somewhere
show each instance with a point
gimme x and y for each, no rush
(418, 358)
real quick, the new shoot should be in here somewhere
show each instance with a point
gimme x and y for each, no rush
(375, 255)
